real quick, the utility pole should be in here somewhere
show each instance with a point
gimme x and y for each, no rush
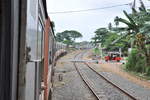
(134, 4)
(141, 2)
(120, 50)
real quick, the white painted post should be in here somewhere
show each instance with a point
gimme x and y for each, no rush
(100, 47)
(120, 51)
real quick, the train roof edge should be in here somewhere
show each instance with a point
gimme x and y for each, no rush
(45, 8)
(47, 17)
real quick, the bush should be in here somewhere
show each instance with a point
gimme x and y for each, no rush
(140, 64)
(136, 62)
(148, 71)
(97, 51)
(131, 61)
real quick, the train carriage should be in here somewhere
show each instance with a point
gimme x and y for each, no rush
(27, 50)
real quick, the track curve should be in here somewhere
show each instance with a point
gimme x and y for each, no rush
(90, 84)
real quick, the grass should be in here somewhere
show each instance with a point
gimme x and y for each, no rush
(141, 75)
(136, 74)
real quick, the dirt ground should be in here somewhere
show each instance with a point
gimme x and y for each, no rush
(116, 68)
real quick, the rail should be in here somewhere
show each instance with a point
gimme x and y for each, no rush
(129, 95)
(88, 83)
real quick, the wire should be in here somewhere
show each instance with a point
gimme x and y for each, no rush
(85, 10)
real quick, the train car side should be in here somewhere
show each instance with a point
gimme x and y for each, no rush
(28, 50)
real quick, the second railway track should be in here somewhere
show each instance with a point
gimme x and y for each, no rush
(101, 87)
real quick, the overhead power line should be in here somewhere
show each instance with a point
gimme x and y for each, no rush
(85, 10)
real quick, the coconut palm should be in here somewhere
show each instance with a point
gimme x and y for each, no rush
(116, 21)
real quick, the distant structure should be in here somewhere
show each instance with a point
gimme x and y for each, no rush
(84, 45)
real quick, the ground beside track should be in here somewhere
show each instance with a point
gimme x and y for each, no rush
(132, 84)
(71, 87)
(116, 68)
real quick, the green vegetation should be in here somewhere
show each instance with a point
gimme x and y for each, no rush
(100, 35)
(97, 51)
(106, 37)
(68, 37)
(136, 62)
(135, 35)
(138, 30)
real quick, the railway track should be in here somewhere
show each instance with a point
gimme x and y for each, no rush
(93, 85)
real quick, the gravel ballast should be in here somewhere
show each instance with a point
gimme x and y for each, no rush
(71, 87)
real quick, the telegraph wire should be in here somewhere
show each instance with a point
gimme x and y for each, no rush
(86, 10)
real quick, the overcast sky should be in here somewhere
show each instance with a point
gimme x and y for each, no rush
(86, 22)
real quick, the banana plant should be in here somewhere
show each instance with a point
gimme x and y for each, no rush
(131, 24)
(138, 24)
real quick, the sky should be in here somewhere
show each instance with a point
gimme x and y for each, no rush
(86, 22)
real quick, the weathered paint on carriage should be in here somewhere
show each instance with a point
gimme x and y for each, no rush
(46, 57)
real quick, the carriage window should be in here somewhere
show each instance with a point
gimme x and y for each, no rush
(39, 40)
(50, 51)
(43, 43)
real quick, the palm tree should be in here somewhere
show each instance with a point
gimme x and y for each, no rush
(109, 26)
(131, 24)
(136, 25)
(116, 21)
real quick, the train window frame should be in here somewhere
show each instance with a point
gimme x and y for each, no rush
(50, 47)
(41, 68)
(42, 18)
(39, 40)
(41, 15)
(43, 33)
